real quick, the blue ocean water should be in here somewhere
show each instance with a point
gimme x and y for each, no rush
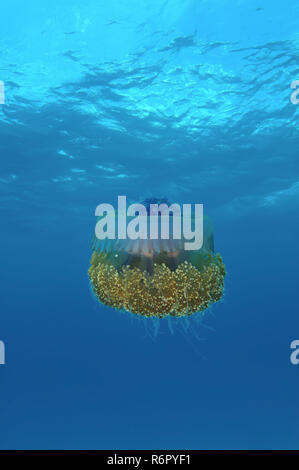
(188, 100)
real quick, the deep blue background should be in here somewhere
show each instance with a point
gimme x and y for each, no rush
(189, 100)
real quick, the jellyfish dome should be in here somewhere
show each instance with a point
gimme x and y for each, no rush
(157, 277)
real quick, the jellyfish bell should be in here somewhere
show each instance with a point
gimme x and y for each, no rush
(157, 277)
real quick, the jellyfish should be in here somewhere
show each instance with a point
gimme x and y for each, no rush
(157, 278)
